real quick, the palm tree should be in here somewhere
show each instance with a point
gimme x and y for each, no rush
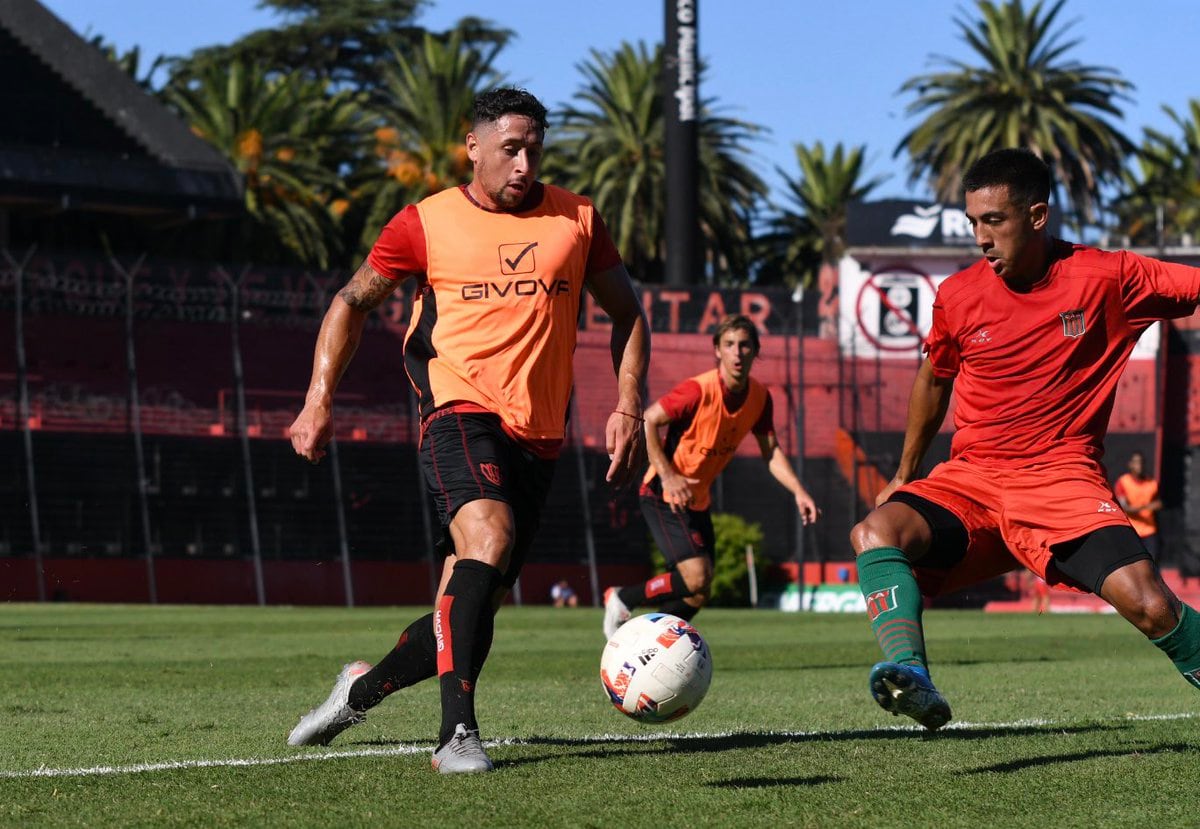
(279, 131)
(343, 41)
(731, 194)
(422, 110)
(130, 62)
(799, 241)
(1165, 202)
(610, 147)
(1024, 94)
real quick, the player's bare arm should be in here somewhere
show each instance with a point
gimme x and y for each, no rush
(367, 289)
(630, 344)
(341, 331)
(781, 470)
(927, 405)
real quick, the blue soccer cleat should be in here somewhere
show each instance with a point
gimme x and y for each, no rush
(907, 689)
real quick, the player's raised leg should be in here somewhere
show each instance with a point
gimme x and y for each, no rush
(681, 591)
(687, 542)
(334, 715)
(900, 684)
(1114, 564)
(360, 687)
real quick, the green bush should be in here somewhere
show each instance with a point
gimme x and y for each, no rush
(730, 586)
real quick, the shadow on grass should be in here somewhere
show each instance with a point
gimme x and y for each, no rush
(741, 740)
(1035, 762)
(864, 666)
(612, 746)
(771, 782)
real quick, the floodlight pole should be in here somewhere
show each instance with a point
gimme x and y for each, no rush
(589, 536)
(335, 464)
(135, 422)
(239, 384)
(681, 108)
(801, 552)
(23, 415)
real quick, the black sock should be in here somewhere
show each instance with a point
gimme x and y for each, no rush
(483, 639)
(464, 612)
(661, 588)
(412, 660)
(680, 608)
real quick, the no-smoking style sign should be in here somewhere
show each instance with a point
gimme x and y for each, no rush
(895, 308)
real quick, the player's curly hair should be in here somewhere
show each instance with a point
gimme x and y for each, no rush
(508, 100)
(737, 322)
(1026, 176)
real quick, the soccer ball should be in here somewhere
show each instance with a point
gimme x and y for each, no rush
(656, 668)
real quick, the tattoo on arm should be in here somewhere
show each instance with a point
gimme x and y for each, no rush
(367, 290)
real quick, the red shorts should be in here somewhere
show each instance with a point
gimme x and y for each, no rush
(1013, 516)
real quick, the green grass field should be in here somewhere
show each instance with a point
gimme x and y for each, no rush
(142, 716)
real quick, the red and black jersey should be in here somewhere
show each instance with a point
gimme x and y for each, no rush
(1036, 371)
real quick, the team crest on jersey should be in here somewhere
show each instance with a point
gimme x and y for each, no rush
(1073, 323)
(491, 472)
(881, 602)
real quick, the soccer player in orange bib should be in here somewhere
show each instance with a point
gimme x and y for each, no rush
(501, 266)
(706, 418)
(1032, 340)
(1138, 496)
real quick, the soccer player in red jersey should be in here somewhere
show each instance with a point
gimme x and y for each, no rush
(1032, 340)
(501, 265)
(706, 418)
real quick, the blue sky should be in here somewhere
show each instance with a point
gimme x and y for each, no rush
(808, 71)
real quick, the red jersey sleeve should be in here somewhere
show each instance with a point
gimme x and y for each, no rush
(681, 402)
(602, 253)
(1153, 290)
(940, 345)
(400, 249)
(765, 425)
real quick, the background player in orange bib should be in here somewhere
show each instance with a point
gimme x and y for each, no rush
(706, 418)
(501, 266)
(1032, 340)
(1138, 496)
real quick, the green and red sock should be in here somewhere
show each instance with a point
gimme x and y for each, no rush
(894, 604)
(1182, 645)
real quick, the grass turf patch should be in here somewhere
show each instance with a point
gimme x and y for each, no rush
(1059, 720)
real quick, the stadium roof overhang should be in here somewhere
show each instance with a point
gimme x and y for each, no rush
(81, 134)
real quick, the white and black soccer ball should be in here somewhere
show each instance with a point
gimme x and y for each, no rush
(656, 668)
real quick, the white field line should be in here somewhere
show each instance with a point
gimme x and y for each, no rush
(658, 736)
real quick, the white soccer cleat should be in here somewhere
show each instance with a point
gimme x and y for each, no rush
(615, 612)
(462, 754)
(334, 715)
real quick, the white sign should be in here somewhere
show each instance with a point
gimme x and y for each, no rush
(886, 312)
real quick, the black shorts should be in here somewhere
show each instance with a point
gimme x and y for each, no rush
(467, 457)
(948, 536)
(678, 535)
(1091, 559)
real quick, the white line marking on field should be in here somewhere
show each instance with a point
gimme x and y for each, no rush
(659, 736)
